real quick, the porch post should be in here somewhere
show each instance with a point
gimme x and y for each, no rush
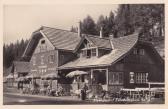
(57, 71)
(107, 79)
(91, 77)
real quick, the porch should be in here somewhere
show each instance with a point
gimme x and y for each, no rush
(97, 80)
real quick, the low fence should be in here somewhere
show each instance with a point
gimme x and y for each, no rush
(142, 93)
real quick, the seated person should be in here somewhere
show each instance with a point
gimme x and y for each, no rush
(101, 92)
(60, 91)
(48, 90)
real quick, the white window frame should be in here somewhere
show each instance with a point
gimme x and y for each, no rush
(132, 77)
(34, 60)
(93, 52)
(141, 51)
(85, 51)
(135, 51)
(42, 59)
(119, 76)
(62, 57)
(51, 58)
(141, 78)
(43, 47)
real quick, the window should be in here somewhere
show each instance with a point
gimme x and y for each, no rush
(89, 53)
(99, 77)
(93, 52)
(42, 59)
(43, 42)
(141, 77)
(34, 60)
(131, 77)
(84, 53)
(135, 51)
(115, 78)
(43, 48)
(42, 71)
(62, 57)
(141, 52)
(51, 58)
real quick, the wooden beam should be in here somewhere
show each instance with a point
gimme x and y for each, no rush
(156, 83)
(97, 52)
(91, 76)
(107, 79)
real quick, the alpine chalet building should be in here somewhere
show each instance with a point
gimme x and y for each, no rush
(115, 63)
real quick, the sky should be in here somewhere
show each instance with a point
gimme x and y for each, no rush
(21, 20)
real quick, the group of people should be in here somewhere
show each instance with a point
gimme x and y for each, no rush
(85, 91)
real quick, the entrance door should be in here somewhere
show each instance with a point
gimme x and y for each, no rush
(99, 77)
(99, 81)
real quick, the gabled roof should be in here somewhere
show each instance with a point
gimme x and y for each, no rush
(21, 66)
(122, 46)
(66, 40)
(61, 39)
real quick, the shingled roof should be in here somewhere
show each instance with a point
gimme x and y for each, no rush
(62, 39)
(21, 66)
(121, 47)
(99, 42)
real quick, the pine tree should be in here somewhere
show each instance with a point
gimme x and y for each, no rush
(88, 26)
(13, 51)
(133, 16)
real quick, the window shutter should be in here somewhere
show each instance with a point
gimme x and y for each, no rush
(131, 77)
(146, 77)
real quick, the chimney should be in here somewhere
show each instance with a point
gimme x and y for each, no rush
(101, 32)
(79, 28)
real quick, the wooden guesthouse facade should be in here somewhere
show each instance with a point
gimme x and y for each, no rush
(115, 63)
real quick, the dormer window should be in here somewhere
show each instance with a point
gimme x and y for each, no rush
(93, 52)
(90, 52)
(86, 53)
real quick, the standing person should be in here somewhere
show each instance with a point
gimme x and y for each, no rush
(83, 91)
(21, 86)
